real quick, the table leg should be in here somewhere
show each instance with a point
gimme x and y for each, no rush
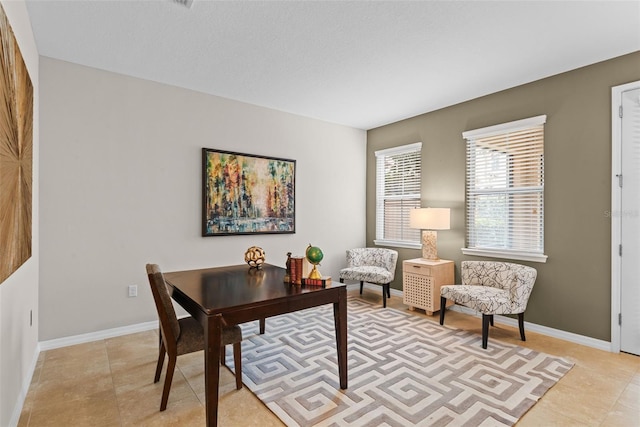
(340, 319)
(212, 340)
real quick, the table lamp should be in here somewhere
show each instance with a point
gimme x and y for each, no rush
(429, 220)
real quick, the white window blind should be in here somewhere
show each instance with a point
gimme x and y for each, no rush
(398, 178)
(505, 190)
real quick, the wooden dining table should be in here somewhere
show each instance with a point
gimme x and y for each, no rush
(231, 295)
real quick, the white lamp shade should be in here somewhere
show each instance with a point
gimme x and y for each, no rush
(430, 218)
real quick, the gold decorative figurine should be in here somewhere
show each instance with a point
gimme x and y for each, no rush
(314, 256)
(255, 257)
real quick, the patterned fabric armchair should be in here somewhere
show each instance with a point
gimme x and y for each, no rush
(371, 265)
(490, 288)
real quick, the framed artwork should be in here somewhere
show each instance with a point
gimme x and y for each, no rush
(247, 194)
(16, 153)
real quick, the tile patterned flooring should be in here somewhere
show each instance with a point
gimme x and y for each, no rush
(110, 383)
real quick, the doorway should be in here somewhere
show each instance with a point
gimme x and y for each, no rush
(625, 219)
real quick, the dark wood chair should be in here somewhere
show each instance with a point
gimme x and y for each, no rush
(183, 336)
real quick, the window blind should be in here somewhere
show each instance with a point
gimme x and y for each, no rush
(398, 180)
(505, 187)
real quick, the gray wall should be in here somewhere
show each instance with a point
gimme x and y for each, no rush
(573, 289)
(121, 186)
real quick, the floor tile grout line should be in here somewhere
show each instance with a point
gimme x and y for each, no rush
(113, 384)
(188, 383)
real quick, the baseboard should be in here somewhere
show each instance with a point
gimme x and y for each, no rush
(99, 335)
(17, 409)
(67, 341)
(140, 327)
(375, 288)
(146, 326)
(533, 327)
(544, 330)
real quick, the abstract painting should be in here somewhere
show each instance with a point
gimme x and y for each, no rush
(247, 194)
(16, 153)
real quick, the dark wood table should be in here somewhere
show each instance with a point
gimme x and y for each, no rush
(236, 294)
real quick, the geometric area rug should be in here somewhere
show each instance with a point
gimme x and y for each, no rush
(403, 370)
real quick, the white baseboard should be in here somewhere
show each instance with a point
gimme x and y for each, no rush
(544, 330)
(533, 327)
(17, 409)
(67, 341)
(146, 326)
(375, 288)
(99, 335)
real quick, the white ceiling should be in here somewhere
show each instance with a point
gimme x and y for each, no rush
(362, 63)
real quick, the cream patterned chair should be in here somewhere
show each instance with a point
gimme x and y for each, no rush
(490, 288)
(371, 265)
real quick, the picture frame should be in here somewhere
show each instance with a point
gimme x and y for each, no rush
(247, 194)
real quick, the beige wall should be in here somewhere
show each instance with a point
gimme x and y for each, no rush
(19, 292)
(573, 289)
(121, 186)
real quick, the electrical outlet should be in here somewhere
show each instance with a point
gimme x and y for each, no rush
(133, 290)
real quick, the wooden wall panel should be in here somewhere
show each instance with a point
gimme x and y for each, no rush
(16, 153)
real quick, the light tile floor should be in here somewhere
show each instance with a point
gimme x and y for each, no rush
(110, 383)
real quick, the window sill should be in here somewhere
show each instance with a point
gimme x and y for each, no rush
(398, 244)
(521, 256)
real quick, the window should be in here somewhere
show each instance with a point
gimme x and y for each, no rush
(397, 192)
(505, 190)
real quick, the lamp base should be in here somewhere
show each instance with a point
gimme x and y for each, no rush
(430, 245)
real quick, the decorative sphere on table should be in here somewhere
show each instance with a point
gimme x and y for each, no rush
(314, 256)
(254, 256)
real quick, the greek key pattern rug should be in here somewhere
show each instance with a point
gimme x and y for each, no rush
(403, 370)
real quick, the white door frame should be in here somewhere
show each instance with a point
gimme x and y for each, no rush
(616, 209)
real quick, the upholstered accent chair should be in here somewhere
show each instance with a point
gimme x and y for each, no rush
(371, 265)
(185, 335)
(490, 288)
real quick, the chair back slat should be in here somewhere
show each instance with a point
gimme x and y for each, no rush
(169, 325)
